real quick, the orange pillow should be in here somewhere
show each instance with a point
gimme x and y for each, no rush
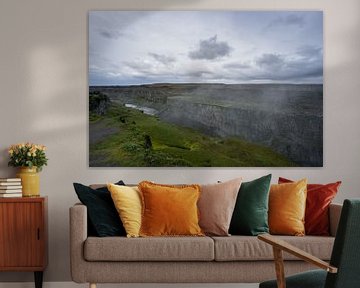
(318, 200)
(169, 210)
(287, 204)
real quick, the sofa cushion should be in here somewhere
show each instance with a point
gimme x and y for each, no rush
(243, 248)
(169, 210)
(287, 204)
(216, 206)
(102, 216)
(149, 249)
(318, 199)
(127, 201)
(250, 215)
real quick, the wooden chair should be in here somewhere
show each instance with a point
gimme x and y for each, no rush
(344, 268)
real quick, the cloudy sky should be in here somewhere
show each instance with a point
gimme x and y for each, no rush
(127, 47)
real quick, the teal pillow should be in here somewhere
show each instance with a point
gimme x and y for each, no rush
(250, 216)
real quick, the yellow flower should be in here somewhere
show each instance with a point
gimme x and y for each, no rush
(41, 147)
(22, 151)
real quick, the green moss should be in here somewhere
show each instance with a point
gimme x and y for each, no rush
(145, 140)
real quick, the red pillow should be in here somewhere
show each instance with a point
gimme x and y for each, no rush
(319, 197)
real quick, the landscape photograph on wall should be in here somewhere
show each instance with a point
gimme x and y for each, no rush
(205, 88)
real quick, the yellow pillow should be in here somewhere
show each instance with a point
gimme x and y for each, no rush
(169, 210)
(287, 204)
(127, 201)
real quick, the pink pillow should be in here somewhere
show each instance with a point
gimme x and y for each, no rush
(216, 205)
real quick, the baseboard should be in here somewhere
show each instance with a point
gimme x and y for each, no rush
(74, 285)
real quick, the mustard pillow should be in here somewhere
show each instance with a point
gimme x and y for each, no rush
(287, 204)
(169, 210)
(127, 201)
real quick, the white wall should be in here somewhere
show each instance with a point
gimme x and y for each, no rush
(43, 90)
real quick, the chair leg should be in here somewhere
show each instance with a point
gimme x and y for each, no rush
(92, 285)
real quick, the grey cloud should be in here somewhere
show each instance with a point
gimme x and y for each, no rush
(110, 34)
(237, 66)
(198, 74)
(139, 66)
(111, 24)
(162, 58)
(310, 52)
(195, 72)
(276, 67)
(270, 61)
(310, 62)
(210, 49)
(297, 76)
(303, 69)
(147, 70)
(313, 72)
(291, 19)
(294, 19)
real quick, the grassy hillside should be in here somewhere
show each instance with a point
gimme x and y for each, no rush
(136, 139)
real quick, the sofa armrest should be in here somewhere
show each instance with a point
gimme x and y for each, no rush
(78, 235)
(334, 217)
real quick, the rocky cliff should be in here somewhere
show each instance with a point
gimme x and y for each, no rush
(298, 136)
(98, 102)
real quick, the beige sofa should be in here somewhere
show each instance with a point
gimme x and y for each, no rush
(234, 259)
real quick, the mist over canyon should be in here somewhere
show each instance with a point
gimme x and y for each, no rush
(288, 118)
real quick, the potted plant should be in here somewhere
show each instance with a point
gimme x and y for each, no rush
(30, 158)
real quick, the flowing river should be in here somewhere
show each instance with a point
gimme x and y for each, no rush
(146, 110)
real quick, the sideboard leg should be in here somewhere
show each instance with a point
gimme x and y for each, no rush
(92, 285)
(38, 279)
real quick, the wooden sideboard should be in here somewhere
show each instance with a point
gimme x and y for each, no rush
(23, 235)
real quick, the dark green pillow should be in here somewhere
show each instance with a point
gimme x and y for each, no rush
(250, 216)
(103, 218)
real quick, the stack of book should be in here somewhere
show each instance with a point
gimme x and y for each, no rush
(10, 187)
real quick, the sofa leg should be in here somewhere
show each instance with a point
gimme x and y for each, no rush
(92, 285)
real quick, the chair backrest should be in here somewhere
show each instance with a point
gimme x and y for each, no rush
(346, 251)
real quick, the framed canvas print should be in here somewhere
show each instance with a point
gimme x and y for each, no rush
(205, 88)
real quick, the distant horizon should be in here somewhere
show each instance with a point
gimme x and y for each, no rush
(235, 47)
(203, 83)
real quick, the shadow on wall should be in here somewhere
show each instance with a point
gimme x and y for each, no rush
(4, 159)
